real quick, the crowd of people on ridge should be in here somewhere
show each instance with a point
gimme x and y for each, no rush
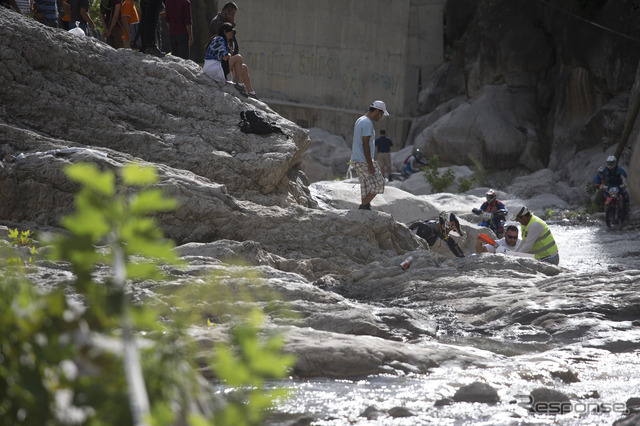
(126, 27)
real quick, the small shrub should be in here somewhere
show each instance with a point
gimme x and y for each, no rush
(591, 207)
(589, 189)
(23, 239)
(439, 183)
(465, 184)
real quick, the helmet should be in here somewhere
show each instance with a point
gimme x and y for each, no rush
(522, 211)
(491, 195)
(611, 162)
(600, 170)
(419, 154)
(449, 222)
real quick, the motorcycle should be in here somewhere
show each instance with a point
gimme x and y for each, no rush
(494, 221)
(614, 207)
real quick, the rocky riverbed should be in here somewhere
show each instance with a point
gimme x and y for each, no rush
(383, 345)
(448, 340)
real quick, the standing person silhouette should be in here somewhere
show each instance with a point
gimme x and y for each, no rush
(150, 10)
(178, 17)
(383, 146)
(362, 150)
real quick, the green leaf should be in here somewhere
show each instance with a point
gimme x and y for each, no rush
(90, 176)
(141, 271)
(14, 233)
(138, 175)
(151, 201)
(90, 222)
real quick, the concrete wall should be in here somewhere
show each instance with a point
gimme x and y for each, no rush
(321, 64)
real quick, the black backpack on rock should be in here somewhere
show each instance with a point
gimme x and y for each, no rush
(254, 121)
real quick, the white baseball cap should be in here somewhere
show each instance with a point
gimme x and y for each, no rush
(381, 106)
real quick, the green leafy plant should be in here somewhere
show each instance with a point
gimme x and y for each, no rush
(94, 12)
(465, 184)
(20, 238)
(439, 183)
(36, 334)
(23, 239)
(589, 189)
(44, 338)
(591, 207)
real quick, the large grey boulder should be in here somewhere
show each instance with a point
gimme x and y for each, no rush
(549, 401)
(36, 190)
(497, 128)
(327, 158)
(337, 355)
(81, 92)
(446, 83)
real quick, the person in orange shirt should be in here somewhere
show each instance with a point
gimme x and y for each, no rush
(66, 16)
(129, 15)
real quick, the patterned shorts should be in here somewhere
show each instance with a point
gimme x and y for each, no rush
(369, 183)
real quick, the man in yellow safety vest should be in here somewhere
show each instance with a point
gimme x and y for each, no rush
(536, 237)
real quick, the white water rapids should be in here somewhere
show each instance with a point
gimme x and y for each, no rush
(608, 370)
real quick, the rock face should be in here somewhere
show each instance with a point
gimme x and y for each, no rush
(524, 88)
(536, 86)
(327, 158)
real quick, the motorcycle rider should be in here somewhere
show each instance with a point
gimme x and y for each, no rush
(414, 163)
(615, 175)
(432, 230)
(488, 210)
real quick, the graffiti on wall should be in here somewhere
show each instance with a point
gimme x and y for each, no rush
(344, 79)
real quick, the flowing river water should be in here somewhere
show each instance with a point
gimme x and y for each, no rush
(608, 376)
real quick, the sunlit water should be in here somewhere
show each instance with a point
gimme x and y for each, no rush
(597, 248)
(606, 379)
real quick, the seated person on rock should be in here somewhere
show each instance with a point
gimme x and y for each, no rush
(432, 230)
(218, 50)
(414, 163)
(508, 242)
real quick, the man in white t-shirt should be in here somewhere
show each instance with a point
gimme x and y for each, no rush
(362, 151)
(508, 242)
